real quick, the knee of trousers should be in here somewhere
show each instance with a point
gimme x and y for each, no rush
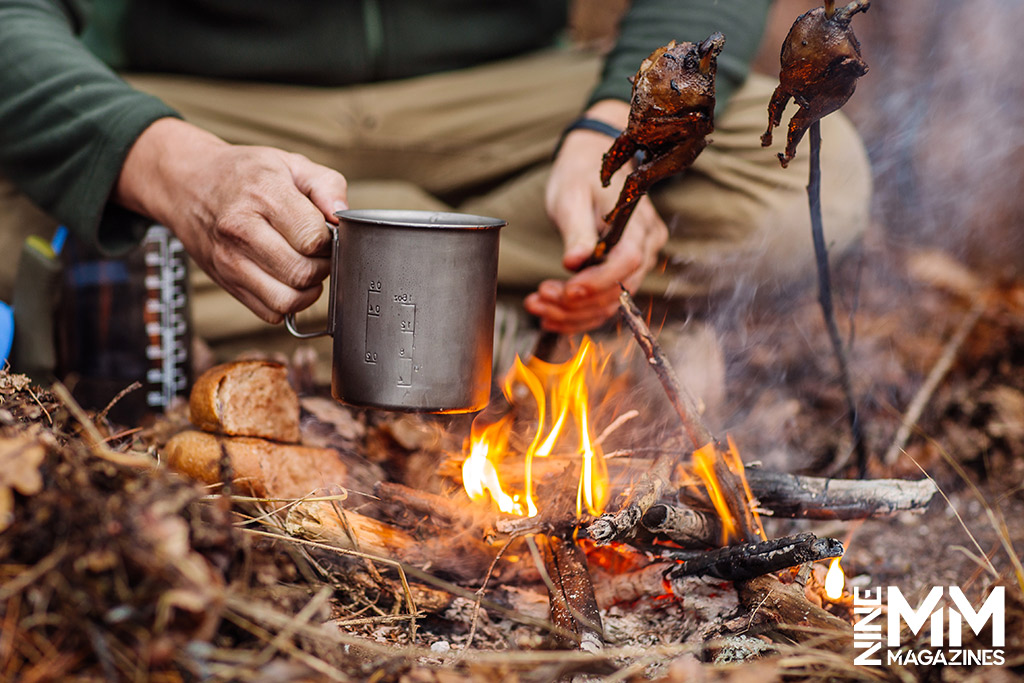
(747, 224)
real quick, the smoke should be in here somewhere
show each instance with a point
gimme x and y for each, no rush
(942, 114)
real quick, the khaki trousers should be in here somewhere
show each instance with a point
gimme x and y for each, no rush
(480, 141)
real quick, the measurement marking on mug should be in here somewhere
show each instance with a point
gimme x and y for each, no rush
(407, 318)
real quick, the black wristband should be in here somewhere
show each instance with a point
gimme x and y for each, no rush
(588, 124)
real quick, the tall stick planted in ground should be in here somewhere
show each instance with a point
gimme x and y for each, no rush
(821, 63)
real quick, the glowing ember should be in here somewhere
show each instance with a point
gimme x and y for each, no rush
(560, 393)
(834, 580)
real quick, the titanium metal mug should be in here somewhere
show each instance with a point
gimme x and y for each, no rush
(411, 309)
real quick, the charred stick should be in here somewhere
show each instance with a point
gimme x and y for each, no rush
(790, 495)
(825, 299)
(749, 560)
(572, 602)
(689, 528)
(620, 525)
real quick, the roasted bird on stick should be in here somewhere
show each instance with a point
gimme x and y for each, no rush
(671, 112)
(821, 63)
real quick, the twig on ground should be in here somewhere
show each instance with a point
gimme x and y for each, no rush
(94, 439)
(932, 381)
(102, 415)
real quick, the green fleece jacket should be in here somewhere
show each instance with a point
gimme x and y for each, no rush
(67, 121)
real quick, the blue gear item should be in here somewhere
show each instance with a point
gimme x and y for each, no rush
(6, 332)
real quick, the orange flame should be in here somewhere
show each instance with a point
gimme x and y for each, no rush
(704, 460)
(560, 392)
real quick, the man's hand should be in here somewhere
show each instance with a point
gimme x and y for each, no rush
(251, 217)
(576, 203)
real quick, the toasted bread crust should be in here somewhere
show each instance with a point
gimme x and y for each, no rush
(246, 398)
(260, 467)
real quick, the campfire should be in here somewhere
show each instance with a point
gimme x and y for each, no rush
(588, 521)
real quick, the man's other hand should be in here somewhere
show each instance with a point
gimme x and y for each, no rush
(576, 203)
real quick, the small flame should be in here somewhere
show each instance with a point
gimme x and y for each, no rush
(560, 393)
(835, 580)
(479, 475)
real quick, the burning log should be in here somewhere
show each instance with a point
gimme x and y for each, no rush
(622, 525)
(750, 560)
(573, 605)
(689, 528)
(440, 509)
(611, 589)
(790, 495)
(784, 609)
(458, 555)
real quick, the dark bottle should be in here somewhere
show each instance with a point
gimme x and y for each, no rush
(126, 320)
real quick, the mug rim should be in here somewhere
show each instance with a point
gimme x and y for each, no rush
(411, 218)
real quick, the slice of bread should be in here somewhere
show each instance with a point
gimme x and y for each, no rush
(261, 468)
(246, 398)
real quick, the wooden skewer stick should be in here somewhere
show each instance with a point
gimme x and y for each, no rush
(825, 299)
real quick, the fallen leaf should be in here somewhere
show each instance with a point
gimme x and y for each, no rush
(20, 458)
(12, 383)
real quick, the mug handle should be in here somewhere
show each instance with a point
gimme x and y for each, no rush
(289, 318)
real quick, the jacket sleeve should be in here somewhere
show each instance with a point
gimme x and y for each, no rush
(67, 121)
(651, 23)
